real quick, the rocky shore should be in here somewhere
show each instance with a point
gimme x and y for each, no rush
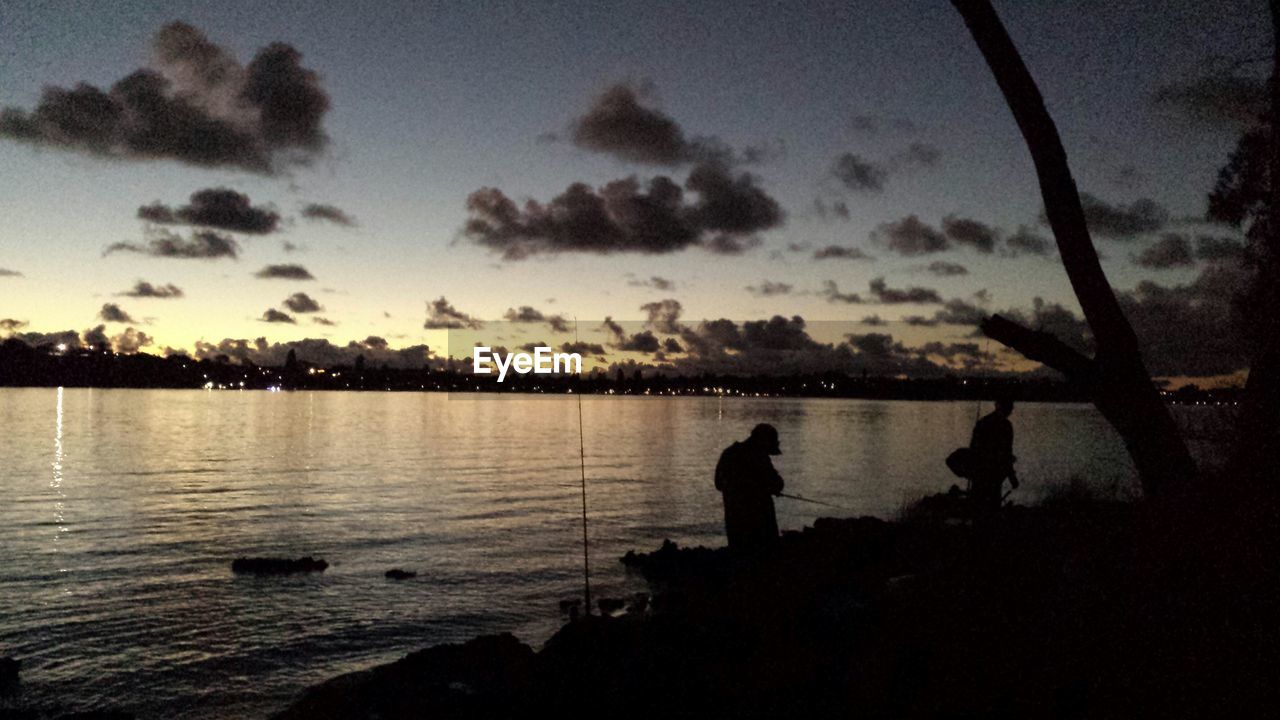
(1077, 608)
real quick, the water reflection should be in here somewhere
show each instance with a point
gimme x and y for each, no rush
(60, 497)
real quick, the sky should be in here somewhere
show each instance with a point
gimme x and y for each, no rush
(779, 132)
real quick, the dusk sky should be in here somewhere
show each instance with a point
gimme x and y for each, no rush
(849, 118)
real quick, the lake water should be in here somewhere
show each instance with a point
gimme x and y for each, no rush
(120, 511)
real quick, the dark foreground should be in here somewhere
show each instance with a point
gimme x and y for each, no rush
(1073, 609)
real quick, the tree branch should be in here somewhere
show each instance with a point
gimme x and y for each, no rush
(1040, 346)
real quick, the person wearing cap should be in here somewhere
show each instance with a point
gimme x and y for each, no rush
(747, 482)
(993, 458)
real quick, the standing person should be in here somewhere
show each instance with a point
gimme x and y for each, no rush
(993, 458)
(747, 481)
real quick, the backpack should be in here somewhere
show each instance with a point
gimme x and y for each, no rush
(961, 461)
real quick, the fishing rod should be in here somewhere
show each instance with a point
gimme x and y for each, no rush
(815, 502)
(582, 463)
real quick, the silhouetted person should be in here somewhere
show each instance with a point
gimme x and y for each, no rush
(747, 482)
(992, 461)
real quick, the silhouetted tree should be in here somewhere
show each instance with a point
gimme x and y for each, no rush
(1116, 377)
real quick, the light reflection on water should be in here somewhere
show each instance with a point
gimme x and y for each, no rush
(122, 593)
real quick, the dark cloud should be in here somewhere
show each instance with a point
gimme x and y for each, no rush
(318, 351)
(644, 342)
(131, 341)
(1170, 251)
(942, 268)
(840, 252)
(323, 321)
(910, 236)
(885, 294)
(916, 155)
(769, 288)
(1231, 102)
(621, 123)
(582, 348)
(965, 231)
(4, 272)
(113, 313)
(960, 312)
(1214, 249)
(284, 272)
(1128, 177)
(654, 281)
(328, 213)
(663, 315)
(202, 244)
(1026, 242)
(301, 302)
(1119, 222)
(10, 325)
(442, 315)
(218, 208)
(859, 174)
(1189, 329)
(832, 293)
(144, 289)
(624, 217)
(873, 320)
(527, 314)
(195, 104)
(671, 345)
(275, 316)
(837, 209)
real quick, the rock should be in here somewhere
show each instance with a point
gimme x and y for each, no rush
(277, 566)
(398, 574)
(609, 606)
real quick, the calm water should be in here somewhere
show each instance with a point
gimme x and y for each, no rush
(120, 511)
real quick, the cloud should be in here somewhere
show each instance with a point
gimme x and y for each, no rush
(872, 124)
(916, 155)
(620, 123)
(1189, 329)
(218, 208)
(1223, 100)
(583, 348)
(654, 281)
(663, 315)
(840, 252)
(859, 174)
(323, 321)
(1170, 251)
(4, 272)
(644, 342)
(144, 289)
(1214, 249)
(909, 236)
(885, 294)
(202, 244)
(328, 213)
(965, 231)
(942, 268)
(284, 272)
(832, 293)
(317, 351)
(1119, 222)
(837, 209)
(442, 315)
(10, 325)
(195, 104)
(624, 217)
(131, 341)
(769, 288)
(113, 313)
(527, 314)
(873, 320)
(1026, 242)
(301, 302)
(275, 316)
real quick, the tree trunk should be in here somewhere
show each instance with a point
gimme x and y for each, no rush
(1116, 377)
(1257, 445)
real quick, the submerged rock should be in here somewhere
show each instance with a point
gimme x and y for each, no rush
(277, 566)
(398, 574)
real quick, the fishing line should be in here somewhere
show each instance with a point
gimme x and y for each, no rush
(582, 460)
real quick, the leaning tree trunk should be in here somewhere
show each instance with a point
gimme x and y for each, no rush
(1116, 377)
(1258, 440)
